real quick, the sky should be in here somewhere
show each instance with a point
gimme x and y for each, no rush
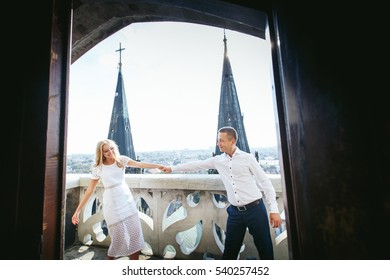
(172, 77)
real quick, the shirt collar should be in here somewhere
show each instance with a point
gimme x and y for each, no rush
(236, 152)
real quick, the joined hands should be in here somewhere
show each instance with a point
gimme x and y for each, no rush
(165, 169)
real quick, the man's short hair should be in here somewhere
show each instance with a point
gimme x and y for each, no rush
(230, 131)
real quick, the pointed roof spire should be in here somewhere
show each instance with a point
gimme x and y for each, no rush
(120, 130)
(229, 106)
(120, 55)
(224, 41)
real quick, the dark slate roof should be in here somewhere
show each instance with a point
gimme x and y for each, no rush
(120, 129)
(229, 106)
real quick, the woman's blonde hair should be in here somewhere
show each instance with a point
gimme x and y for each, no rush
(99, 157)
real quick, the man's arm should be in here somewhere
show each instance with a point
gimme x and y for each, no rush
(191, 166)
(265, 185)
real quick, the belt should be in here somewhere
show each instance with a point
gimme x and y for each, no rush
(248, 206)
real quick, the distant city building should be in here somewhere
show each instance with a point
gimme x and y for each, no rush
(81, 163)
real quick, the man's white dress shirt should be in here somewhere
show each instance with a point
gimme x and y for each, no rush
(244, 179)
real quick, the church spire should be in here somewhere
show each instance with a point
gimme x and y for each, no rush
(120, 56)
(120, 130)
(229, 106)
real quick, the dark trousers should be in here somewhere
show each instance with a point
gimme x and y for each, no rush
(256, 220)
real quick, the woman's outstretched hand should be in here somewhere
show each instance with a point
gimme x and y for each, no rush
(166, 169)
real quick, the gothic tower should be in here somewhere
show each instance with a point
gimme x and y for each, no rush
(120, 130)
(229, 106)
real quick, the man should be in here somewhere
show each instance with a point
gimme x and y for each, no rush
(242, 177)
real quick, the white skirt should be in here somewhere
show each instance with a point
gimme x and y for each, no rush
(126, 237)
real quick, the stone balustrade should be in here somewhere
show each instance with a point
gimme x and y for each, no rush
(183, 215)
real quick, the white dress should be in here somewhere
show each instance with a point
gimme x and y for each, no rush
(119, 210)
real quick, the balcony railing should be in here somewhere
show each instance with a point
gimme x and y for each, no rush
(183, 215)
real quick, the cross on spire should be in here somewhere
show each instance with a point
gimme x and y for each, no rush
(120, 55)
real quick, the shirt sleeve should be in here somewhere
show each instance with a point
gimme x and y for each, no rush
(265, 184)
(194, 166)
(96, 171)
(125, 160)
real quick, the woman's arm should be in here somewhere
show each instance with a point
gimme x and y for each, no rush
(140, 164)
(84, 200)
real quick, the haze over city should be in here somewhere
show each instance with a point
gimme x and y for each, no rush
(172, 76)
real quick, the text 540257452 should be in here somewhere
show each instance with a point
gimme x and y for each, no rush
(242, 270)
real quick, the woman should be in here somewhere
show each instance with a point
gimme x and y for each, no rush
(119, 209)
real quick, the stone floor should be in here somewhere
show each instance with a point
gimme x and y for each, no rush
(91, 252)
(85, 252)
